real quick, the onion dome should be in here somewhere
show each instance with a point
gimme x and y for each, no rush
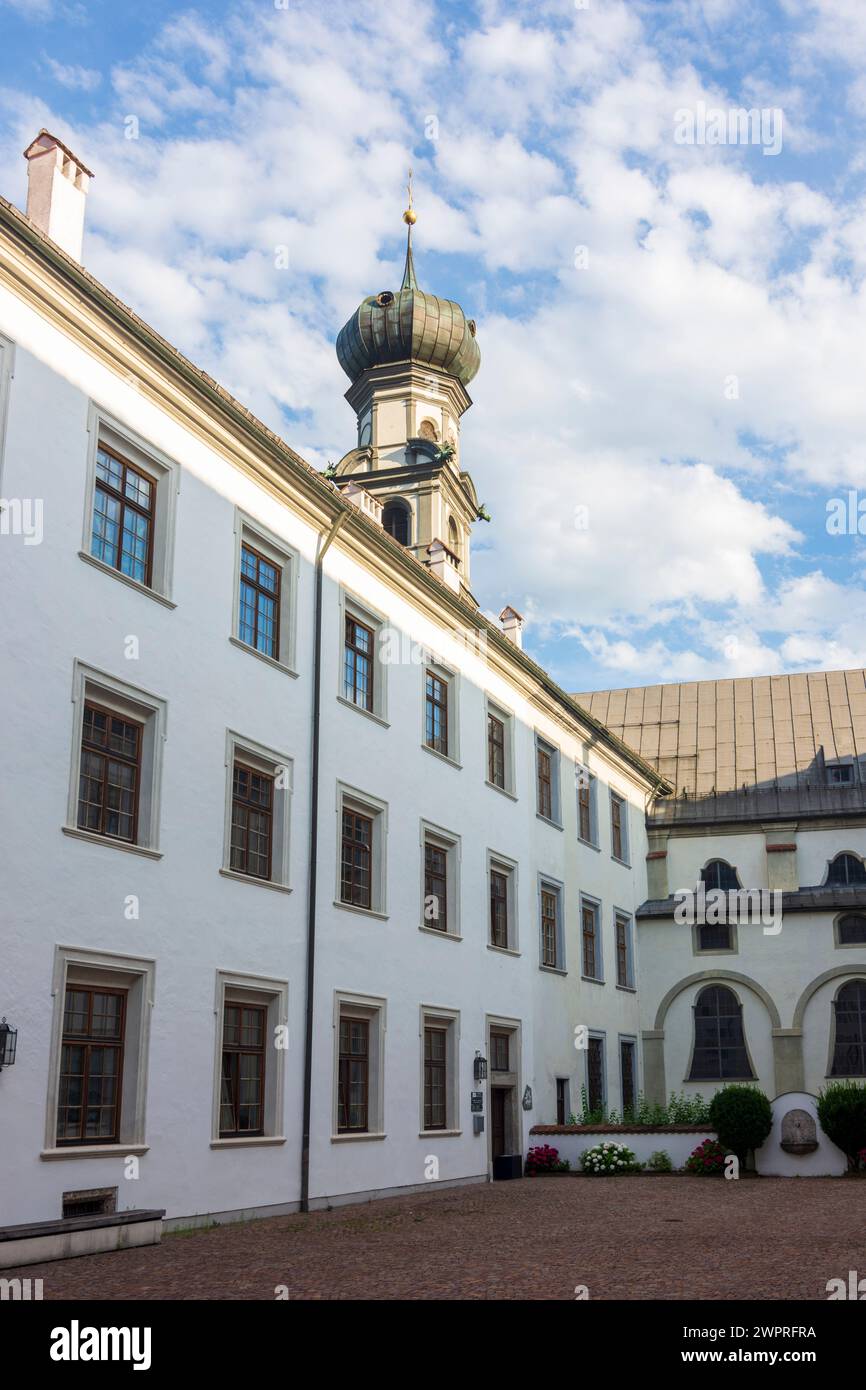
(409, 324)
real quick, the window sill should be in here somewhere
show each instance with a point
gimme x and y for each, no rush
(625, 862)
(503, 791)
(592, 979)
(447, 935)
(254, 1141)
(546, 820)
(503, 950)
(93, 839)
(627, 989)
(716, 951)
(259, 882)
(589, 844)
(125, 579)
(439, 1133)
(443, 757)
(367, 713)
(263, 656)
(356, 1138)
(553, 970)
(362, 911)
(94, 1151)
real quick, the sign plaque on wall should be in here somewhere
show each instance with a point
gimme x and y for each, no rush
(477, 1101)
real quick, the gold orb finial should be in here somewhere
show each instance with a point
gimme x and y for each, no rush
(410, 216)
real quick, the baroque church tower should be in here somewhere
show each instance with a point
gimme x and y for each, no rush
(410, 357)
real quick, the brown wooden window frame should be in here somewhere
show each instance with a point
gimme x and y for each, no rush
(436, 731)
(544, 781)
(622, 927)
(595, 1072)
(346, 1060)
(126, 504)
(353, 687)
(435, 1077)
(584, 811)
(618, 840)
(109, 756)
(499, 923)
(436, 876)
(92, 1042)
(273, 595)
(589, 954)
(249, 806)
(351, 871)
(495, 750)
(500, 1043)
(237, 1051)
(550, 909)
(628, 1047)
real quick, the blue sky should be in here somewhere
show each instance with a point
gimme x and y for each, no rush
(661, 417)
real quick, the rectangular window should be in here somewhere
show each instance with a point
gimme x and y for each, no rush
(562, 1107)
(356, 881)
(358, 661)
(259, 602)
(435, 1077)
(549, 928)
(498, 909)
(353, 1076)
(627, 1053)
(714, 936)
(589, 932)
(242, 1084)
(586, 803)
(623, 933)
(436, 715)
(544, 778)
(595, 1073)
(252, 822)
(435, 887)
(618, 827)
(495, 751)
(109, 774)
(123, 517)
(500, 1051)
(91, 1066)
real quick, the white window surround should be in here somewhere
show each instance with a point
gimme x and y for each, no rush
(250, 532)
(431, 1016)
(7, 371)
(544, 744)
(366, 805)
(620, 914)
(586, 900)
(502, 864)
(352, 607)
(452, 680)
(506, 718)
(133, 703)
(730, 950)
(546, 884)
(239, 988)
(281, 768)
(136, 975)
(625, 858)
(451, 844)
(374, 1009)
(582, 770)
(106, 432)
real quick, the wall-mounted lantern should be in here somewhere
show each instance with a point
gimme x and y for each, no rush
(8, 1043)
(480, 1069)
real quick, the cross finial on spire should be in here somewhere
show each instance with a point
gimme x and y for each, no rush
(410, 217)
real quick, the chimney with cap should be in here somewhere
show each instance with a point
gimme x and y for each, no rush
(512, 625)
(57, 184)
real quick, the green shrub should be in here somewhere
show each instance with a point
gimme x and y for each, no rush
(609, 1158)
(660, 1162)
(742, 1117)
(842, 1114)
(707, 1160)
(680, 1110)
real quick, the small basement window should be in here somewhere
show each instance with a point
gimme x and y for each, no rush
(97, 1201)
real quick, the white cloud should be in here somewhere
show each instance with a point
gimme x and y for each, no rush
(72, 76)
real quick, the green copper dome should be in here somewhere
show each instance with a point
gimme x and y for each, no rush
(410, 324)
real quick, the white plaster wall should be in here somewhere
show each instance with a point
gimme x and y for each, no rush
(816, 849)
(772, 1160)
(688, 854)
(643, 1145)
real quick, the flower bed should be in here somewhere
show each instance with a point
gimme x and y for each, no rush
(643, 1140)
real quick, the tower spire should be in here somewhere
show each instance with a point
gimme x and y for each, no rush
(410, 217)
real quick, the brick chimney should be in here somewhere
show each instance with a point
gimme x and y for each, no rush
(512, 625)
(57, 184)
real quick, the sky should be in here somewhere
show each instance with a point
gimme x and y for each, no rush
(671, 305)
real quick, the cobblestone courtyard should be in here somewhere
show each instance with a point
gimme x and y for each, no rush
(632, 1238)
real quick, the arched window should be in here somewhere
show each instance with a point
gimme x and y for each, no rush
(851, 930)
(720, 1044)
(397, 522)
(453, 537)
(849, 1050)
(718, 874)
(847, 868)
